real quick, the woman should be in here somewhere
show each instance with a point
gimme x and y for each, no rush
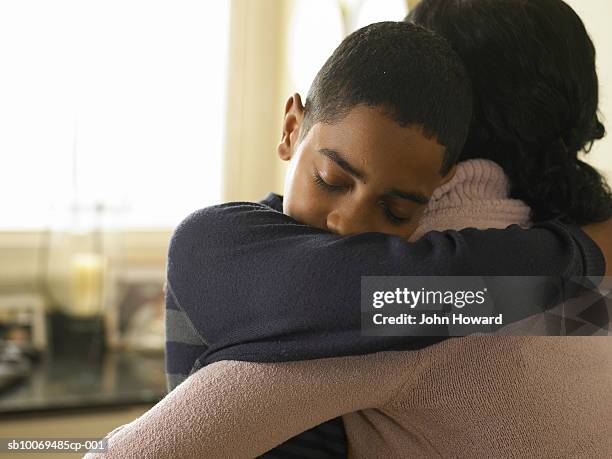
(512, 396)
(532, 66)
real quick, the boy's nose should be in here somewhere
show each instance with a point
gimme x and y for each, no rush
(349, 221)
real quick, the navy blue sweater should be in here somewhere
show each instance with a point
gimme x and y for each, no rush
(247, 282)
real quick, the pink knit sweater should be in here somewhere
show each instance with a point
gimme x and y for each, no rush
(476, 197)
(470, 397)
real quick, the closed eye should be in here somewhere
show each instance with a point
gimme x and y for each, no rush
(394, 219)
(327, 186)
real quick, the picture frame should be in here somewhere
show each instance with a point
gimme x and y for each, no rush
(23, 320)
(135, 307)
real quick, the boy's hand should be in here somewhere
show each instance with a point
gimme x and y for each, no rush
(601, 233)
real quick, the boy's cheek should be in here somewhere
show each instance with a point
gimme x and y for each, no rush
(307, 213)
(304, 204)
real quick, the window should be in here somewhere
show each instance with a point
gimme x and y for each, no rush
(119, 104)
(318, 27)
(371, 11)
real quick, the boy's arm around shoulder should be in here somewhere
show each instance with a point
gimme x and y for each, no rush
(244, 272)
(253, 231)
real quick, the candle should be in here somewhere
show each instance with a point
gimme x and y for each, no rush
(87, 278)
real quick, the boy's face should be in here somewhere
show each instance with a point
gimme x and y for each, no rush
(364, 173)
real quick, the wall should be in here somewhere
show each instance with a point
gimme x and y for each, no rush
(596, 16)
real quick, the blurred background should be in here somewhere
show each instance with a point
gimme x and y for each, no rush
(118, 119)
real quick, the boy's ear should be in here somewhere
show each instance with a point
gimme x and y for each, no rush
(294, 115)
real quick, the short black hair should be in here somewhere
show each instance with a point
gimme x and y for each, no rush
(532, 66)
(405, 69)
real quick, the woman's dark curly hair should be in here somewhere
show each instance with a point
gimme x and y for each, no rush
(532, 66)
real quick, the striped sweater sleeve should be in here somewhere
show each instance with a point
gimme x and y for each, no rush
(259, 286)
(184, 344)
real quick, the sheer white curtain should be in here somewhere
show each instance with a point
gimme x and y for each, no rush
(318, 27)
(113, 103)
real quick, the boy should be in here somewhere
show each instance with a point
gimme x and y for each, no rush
(373, 141)
(382, 127)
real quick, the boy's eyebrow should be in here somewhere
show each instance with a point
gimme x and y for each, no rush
(343, 163)
(336, 157)
(411, 196)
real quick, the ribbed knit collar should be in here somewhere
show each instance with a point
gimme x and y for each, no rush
(477, 197)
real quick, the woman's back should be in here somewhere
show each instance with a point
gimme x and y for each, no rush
(496, 397)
